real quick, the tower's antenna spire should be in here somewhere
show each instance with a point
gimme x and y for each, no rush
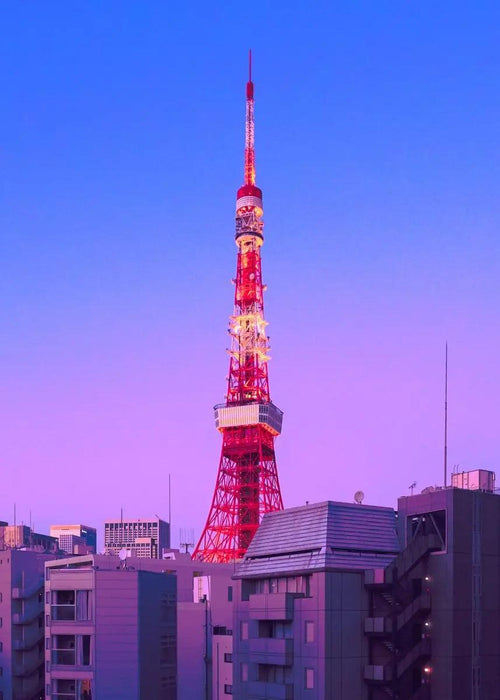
(249, 129)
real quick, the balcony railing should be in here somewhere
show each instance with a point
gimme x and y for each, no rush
(269, 650)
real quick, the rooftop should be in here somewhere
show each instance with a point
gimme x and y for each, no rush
(327, 535)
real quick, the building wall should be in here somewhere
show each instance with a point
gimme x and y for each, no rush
(157, 636)
(131, 629)
(465, 591)
(193, 637)
(21, 623)
(316, 649)
(117, 635)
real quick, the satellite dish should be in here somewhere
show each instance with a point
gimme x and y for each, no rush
(122, 554)
(359, 496)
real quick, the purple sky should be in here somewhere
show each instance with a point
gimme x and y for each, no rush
(378, 153)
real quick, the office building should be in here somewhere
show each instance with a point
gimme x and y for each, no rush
(75, 539)
(148, 537)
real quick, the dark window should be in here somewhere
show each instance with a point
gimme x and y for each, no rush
(86, 650)
(230, 593)
(228, 658)
(228, 689)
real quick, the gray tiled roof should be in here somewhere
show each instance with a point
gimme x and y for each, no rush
(322, 535)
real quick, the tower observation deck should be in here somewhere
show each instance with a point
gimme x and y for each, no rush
(247, 484)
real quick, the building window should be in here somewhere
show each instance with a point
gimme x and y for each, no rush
(63, 650)
(71, 689)
(244, 629)
(228, 689)
(85, 650)
(309, 631)
(230, 594)
(244, 672)
(309, 678)
(63, 605)
(71, 605)
(269, 673)
(1, 646)
(228, 658)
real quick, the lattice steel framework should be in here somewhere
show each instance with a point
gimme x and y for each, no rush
(247, 483)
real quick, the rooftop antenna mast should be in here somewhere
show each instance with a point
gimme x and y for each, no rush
(446, 415)
(186, 539)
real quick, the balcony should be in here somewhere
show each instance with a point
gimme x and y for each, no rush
(19, 592)
(268, 650)
(272, 606)
(27, 617)
(32, 635)
(378, 625)
(378, 673)
(375, 577)
(27, 669)
(270, 691)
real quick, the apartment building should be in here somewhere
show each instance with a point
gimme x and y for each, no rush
(301, 602)
(22, 623)
(95, 607)
(110, 630)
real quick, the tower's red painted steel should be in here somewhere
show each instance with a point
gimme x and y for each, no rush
(247, 481)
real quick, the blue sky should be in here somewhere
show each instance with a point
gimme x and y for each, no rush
(378, 153)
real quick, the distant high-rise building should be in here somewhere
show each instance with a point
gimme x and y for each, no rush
(21, 536)
(75, 539)
(147, 537)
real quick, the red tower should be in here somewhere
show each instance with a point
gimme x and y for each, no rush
(247, 481)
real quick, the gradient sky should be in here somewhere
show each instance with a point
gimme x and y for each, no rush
(378, 153)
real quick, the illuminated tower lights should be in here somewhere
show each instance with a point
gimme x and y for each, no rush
(247, 483)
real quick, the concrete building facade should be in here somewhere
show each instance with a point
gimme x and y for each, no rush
(346, 601)
(22, 624)
(301, 602)
(110, 630)
(148, 538)
(83, 654)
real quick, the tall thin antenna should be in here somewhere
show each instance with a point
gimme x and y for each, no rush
(15, 518)
(446, 415)
(169, 503)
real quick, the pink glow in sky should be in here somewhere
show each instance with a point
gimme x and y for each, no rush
(377, 151)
